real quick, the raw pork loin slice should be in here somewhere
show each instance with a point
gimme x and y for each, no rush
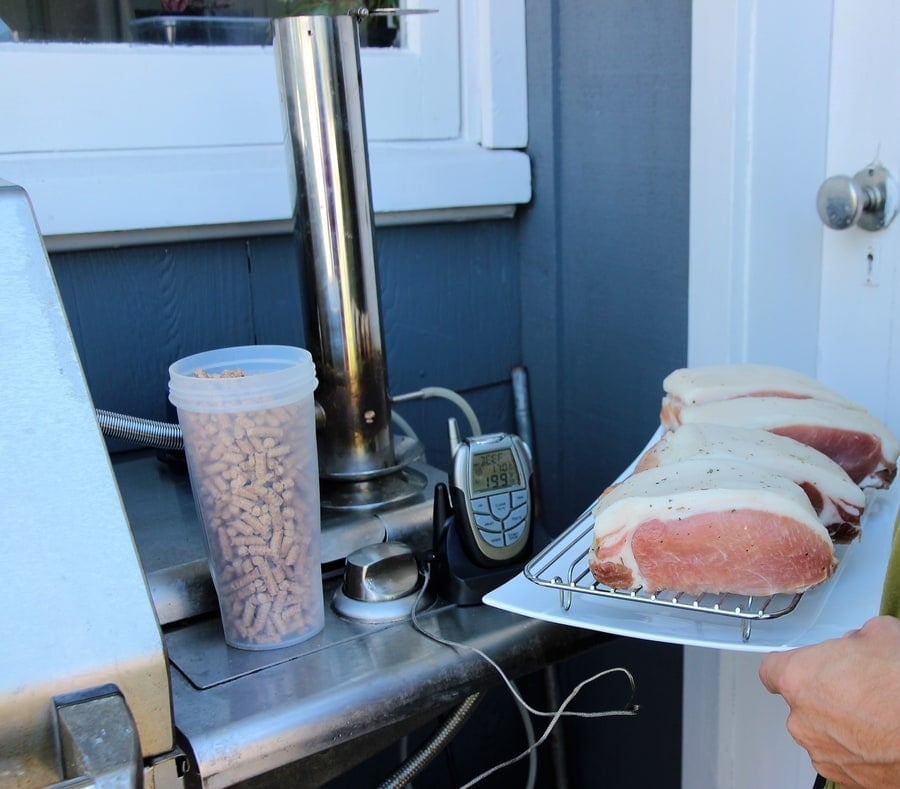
(698, 385)
(703, 526)
(853, 438)
(837, 499)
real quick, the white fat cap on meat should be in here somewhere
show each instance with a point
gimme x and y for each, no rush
(696, 385)
(781, 454)
(767, 413)
(698, 486)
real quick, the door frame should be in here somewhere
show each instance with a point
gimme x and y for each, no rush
(759, 119)
(759, 116)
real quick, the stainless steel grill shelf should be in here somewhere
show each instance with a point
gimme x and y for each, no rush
(563, 565)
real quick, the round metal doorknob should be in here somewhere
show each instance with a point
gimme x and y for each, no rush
(868, 199)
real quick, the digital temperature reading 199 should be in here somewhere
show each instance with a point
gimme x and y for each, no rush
(494, 471)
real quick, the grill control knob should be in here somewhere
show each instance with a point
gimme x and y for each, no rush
(868, 199)
(382, 572)
(381, 584)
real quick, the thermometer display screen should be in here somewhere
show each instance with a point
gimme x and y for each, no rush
(494, 471)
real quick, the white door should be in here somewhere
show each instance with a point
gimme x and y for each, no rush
(783, 96)
(859, 322)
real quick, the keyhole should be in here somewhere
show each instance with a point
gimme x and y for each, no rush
(870, 269)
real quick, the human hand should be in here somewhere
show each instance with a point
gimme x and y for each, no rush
(844, 696)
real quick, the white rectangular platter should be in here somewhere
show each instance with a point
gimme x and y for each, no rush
(844, 602)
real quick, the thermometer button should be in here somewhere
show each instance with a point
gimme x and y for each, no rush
(487, 523)
(500, 505)
(518, 514)
(481, 506)
(494, 538)
(513, 535)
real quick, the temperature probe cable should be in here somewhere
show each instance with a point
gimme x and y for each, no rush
(630, 708)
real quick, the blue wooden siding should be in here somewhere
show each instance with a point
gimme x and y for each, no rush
(587, 287)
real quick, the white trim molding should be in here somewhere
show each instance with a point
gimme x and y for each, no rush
(759, 111)
(122, 143)
(759, 103)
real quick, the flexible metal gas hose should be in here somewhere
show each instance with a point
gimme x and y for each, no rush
(148, 432)
(435, 744)
(167, 435)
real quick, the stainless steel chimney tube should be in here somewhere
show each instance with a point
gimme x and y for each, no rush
(322, 105)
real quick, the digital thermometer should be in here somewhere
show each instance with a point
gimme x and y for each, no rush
(490, 484)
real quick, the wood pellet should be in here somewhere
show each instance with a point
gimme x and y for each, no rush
(255, 479)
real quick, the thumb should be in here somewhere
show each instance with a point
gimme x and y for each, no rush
(770, 671)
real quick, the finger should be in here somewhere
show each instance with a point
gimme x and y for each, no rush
(834, 773)
(770, 671)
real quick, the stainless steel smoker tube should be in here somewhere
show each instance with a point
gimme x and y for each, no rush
(322, 104)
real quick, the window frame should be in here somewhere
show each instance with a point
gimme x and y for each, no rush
(446, 119)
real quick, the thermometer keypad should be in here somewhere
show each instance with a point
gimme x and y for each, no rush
(501, 518)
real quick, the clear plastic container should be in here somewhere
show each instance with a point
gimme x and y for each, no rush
(248, 419)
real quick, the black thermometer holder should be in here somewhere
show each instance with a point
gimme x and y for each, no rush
(459, 579)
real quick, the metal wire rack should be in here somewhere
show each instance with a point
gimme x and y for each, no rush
(563, 565)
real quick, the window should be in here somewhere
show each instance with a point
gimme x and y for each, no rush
(124, 143)
(184, 21)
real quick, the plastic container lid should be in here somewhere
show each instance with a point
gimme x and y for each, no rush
(274, 375)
